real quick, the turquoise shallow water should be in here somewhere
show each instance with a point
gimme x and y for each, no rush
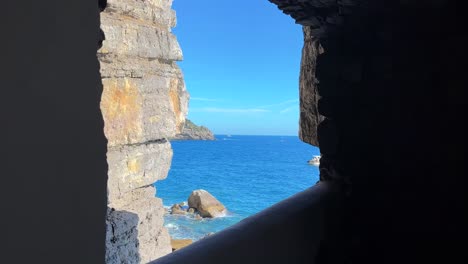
(246, 173)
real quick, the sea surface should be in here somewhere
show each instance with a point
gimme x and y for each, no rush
(245, 173)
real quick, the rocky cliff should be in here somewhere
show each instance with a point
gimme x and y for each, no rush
(308, 91)
(144, 102)
(194, 132)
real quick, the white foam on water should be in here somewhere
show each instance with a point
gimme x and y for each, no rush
(225, 214)
(172, 226)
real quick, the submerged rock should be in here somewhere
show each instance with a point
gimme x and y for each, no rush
(175, 209)
(197, 217)
(191, 210)
(206, 204)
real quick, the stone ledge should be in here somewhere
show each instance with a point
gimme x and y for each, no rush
(134, 167)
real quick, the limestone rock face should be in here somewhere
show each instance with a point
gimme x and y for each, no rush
(121, 228)
(194, 132)
(206, 204)
(144, 102)
(308, 92)
(136, 166)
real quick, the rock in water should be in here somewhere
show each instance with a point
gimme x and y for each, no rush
(206, 204)
(175, 209)
(197, 217)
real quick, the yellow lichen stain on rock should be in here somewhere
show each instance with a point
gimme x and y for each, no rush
(154, 119)
(103, 50)
(121, 109)
(175, 100)
(135, 177)
(133, 165)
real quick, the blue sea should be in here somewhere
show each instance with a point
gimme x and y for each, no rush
(245, 173)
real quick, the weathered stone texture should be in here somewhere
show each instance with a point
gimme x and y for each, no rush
(142, 109)
(127, 36)
(135, 232)
(136, 166)
(144, 102)
(122, 237)
(308, 93)
(157, 12)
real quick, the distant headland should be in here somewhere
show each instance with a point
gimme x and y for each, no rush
(194, 132)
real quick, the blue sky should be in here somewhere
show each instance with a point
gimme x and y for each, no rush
(241, 65)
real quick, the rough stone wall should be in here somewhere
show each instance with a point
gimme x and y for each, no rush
(144, 102)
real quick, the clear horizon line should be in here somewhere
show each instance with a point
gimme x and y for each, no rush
(224, 134)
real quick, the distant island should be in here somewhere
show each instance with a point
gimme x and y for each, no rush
(194, 132)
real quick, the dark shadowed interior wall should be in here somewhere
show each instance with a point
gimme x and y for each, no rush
(53, 150)
(388, 83)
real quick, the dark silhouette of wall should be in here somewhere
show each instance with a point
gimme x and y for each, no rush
(392, 89)
(53, 149)
(391, 86)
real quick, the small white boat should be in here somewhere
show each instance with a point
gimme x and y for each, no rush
(314, 161)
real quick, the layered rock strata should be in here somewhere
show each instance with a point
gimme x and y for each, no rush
(144, 102)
